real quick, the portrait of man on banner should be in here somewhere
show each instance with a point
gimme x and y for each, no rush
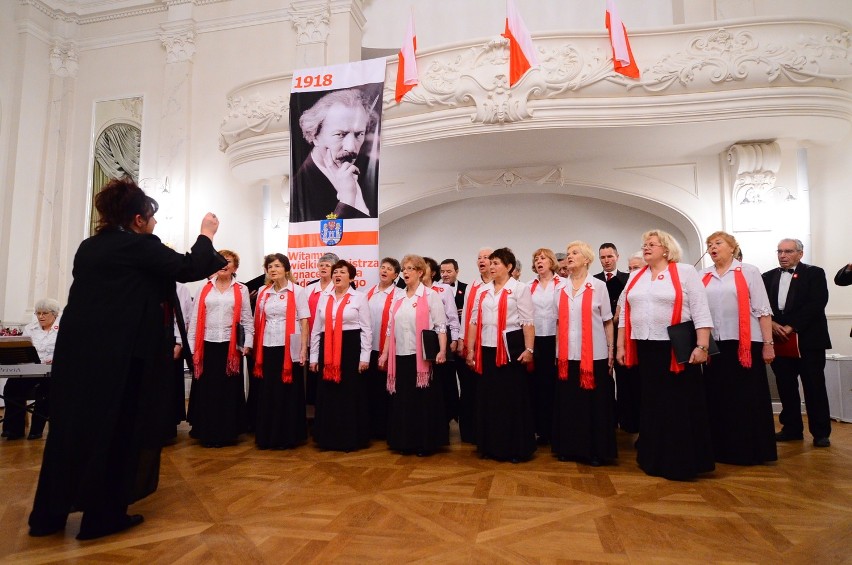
(335, 153)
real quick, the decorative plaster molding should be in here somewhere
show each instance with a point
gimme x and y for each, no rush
(470, 83)
(727, 56)
(251, 115)
(179, 44)
(755, 168)
(63, 59)
(551, 174)
(133, 106)
(311, 20)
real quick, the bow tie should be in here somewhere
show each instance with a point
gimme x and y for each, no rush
(791, 271)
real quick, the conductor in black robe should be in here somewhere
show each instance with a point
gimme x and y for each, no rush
(113, 367)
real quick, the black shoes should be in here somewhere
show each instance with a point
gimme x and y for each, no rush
(35, 435)
(787, 436)
(102, 530)
(49, 527)
(12, 436)
(822, 442)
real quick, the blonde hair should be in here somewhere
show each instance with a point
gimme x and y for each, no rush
(584, 248)
(729, 239)
(549, 255)
(667, 241)
(416, 261)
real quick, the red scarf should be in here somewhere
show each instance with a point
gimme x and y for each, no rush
(260, 327)
(333, 339)
(502, 308)
(630, 358)
(744, 312)
(534, 284)
(468, 310)
(313, 300)
(422, 321)
(587, 352)
(385, 315)
(233, 365)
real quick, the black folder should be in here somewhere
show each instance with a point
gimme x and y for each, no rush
(684, 340)
(515, 344)
(430, 344)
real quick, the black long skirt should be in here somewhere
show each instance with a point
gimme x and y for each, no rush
(417, 422)
(217, 401)
(281, 422)
(378, 398)
(342, 420)
(583, 422)
(541, 382)
(504, 429)
(628, 397)
(740, 407)
(674, 430)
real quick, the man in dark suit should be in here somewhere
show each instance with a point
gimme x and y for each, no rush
(627, 393)
(615, 280)
(449, 276)
(844, 278)
(798, 294)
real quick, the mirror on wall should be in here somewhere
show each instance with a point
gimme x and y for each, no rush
(116, 147)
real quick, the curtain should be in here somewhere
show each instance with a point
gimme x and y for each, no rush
(116, 155)
(117, 151)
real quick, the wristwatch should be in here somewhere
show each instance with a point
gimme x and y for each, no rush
(702, 348)
(530, 350)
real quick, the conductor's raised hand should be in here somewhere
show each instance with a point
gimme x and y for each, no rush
(209, 225)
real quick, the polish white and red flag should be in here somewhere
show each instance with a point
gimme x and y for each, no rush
(622, 55)
(406, 71)
(522, 55)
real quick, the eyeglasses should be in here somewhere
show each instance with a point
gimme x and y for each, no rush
(409, 268)
(650, 245)
(787, 251)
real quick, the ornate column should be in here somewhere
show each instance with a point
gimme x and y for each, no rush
(178, 39)
(47, 265)
(312, 22)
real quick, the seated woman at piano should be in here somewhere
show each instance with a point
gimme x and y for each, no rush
(43, 332)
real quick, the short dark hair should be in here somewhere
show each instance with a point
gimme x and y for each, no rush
(120, 201)
(453, 262)
(276, 257)
(506, 256)
(433, 266)
(393, 263)
(608, 246)
(347, 265)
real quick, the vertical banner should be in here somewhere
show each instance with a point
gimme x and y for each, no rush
(335, 121)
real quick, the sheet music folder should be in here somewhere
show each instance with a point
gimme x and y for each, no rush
(17, 349)
(684, 339)
(430, 344)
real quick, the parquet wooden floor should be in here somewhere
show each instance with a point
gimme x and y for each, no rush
(242, 505)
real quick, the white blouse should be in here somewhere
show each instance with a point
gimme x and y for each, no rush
(451, 314)
(722, 298)
(356, 316)
(601, 312)
(44, 341)
(470, 292)
(542, 297)
(377, 306)
(274, 304)
(220, 312)
(519, 309)
(405, 319)
(651, 302)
